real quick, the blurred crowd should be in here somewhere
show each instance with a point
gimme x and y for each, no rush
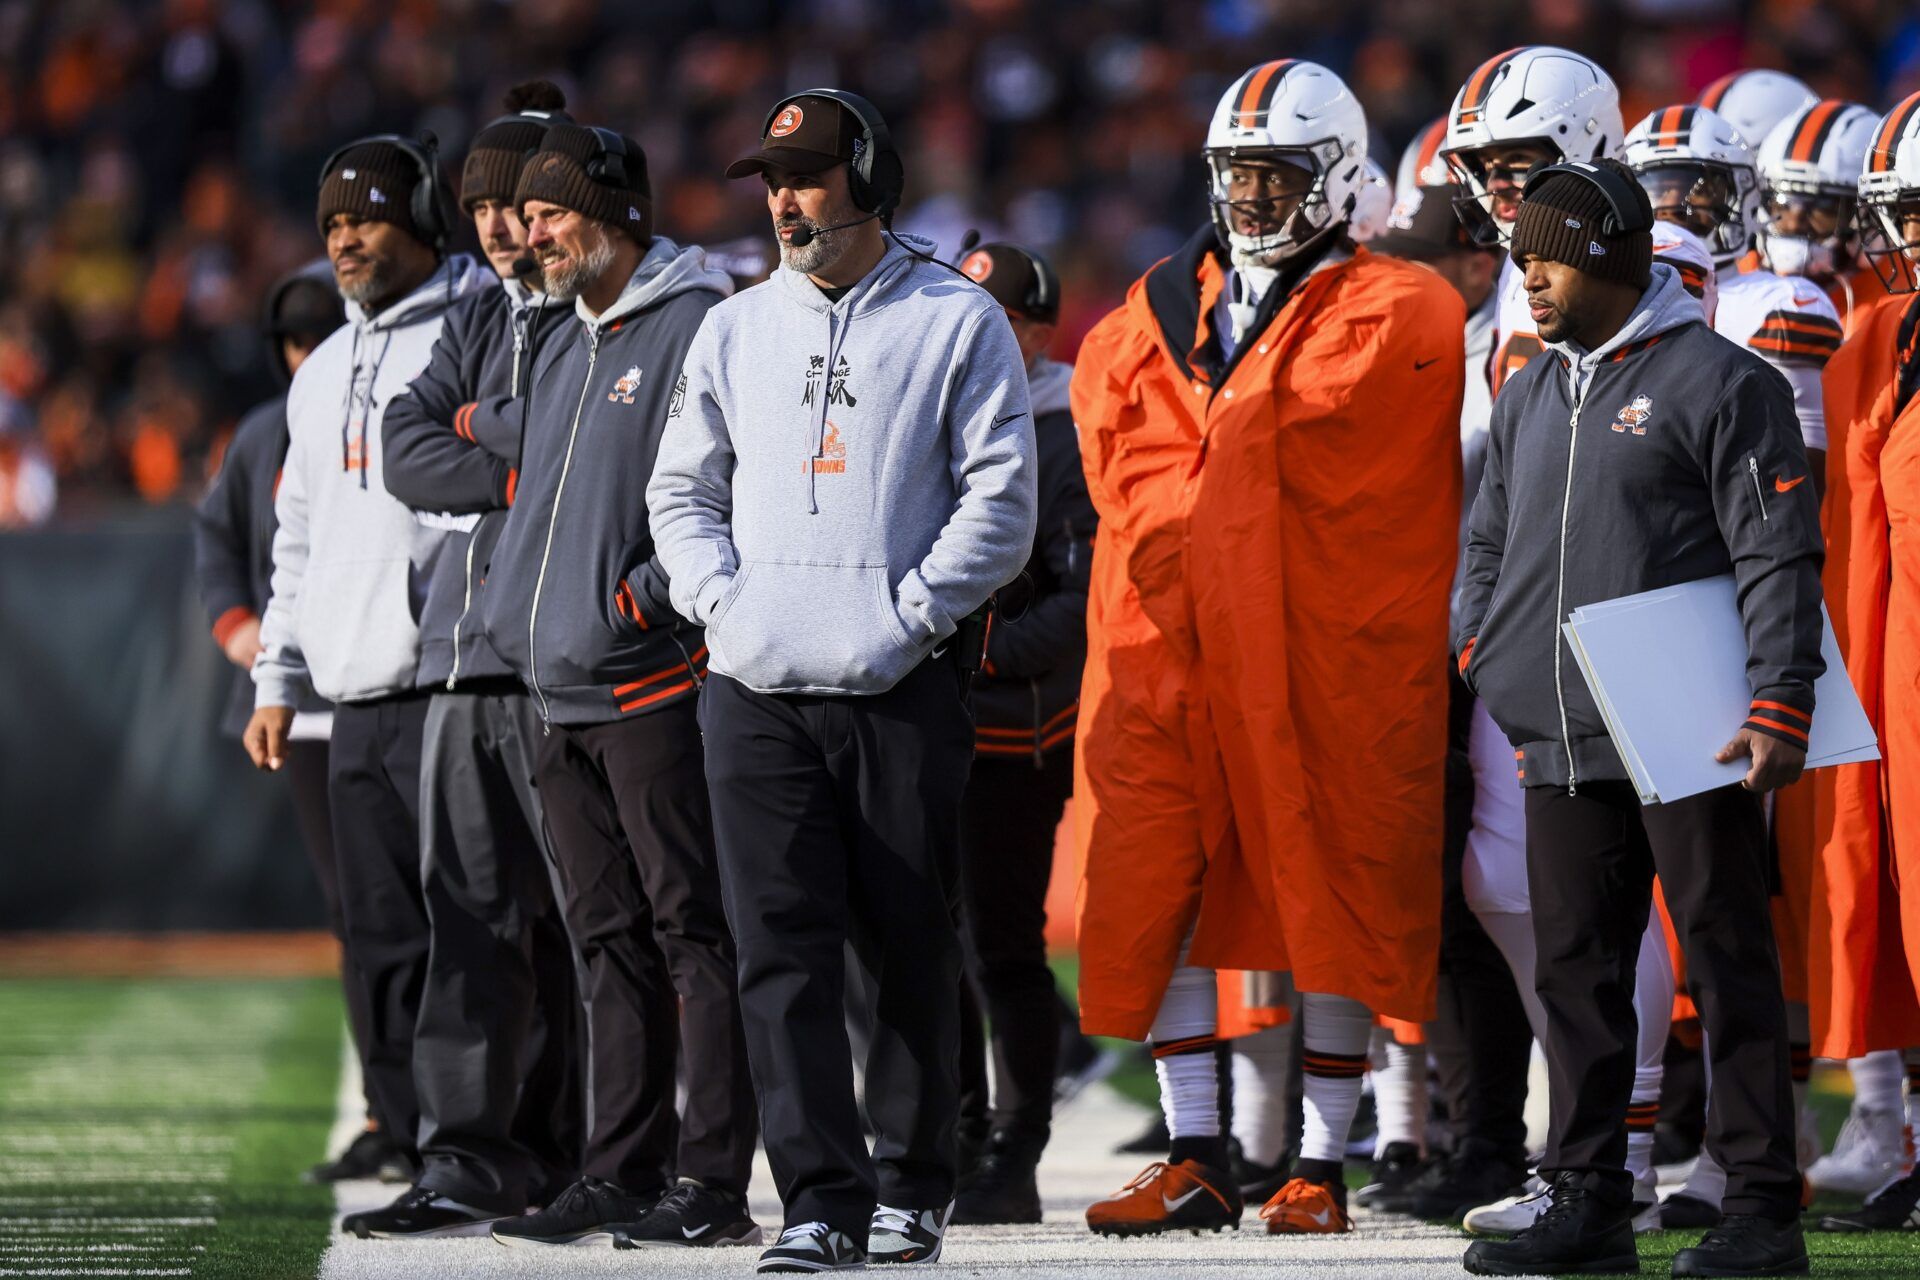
(158, 158)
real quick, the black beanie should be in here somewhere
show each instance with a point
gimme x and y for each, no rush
(1561, 218)
(559, 173)
(374, 182)
(492, 168)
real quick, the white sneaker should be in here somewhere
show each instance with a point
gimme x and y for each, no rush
(1675, 1174)
(1646, 1204)
(1868, 1154)
(1510, 1216)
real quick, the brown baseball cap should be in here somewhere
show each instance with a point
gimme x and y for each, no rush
(806, 134)
(1429, 229)
(1017, 279)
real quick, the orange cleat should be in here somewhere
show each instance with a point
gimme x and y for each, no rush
(1170, 1197)
(1305, 1208)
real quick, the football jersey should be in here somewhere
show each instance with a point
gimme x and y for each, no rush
(1789, 322)
(1515, 342)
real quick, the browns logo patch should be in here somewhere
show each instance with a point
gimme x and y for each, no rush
(1633, 417)
(978, 266)
(787, 121)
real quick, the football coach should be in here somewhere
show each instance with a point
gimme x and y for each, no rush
(847, 476)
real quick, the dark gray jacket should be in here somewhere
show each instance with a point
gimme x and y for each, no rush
(1667, 455)
(576, 603)
(1026, 700)
(436, 465)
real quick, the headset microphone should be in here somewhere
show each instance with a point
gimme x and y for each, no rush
(804, 236)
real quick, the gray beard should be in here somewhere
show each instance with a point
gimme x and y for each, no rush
(374, 283)
(817, 255)
(564, 283)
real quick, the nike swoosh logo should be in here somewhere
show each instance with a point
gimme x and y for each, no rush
(1421, 364)
(1784, 486)
(1001, 422)
(1170, 1204)
(1321, 1218)
(1806, 302)
(691, 1232)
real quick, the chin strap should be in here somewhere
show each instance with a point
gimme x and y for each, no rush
(1245, 288)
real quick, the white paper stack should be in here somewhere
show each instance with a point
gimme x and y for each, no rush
(1669, 670)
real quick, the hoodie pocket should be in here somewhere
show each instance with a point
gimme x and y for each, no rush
(788, 626)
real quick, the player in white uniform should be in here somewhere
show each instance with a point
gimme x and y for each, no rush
(1809, 202)
(1523, 109)
(1699, 173)
(1755, 101)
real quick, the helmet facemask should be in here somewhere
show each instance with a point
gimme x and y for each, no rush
(1475, 209)
(1706, 197)
(1808, 230)
(1890, 240)
(1292, 211)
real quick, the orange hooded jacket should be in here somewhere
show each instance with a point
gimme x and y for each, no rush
(1865, 928)
(1264, 710)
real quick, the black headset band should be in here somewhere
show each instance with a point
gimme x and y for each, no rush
(1627, 203)
(1044, 297)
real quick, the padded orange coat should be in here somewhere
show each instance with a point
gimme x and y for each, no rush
(1865, 928)
(1263, 716)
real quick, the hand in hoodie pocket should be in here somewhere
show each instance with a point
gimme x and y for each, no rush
(787, 626)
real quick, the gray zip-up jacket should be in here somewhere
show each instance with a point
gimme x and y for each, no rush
(350, 562)
(1666, 455)
(842, 483)
(486, 350)
(575, 601)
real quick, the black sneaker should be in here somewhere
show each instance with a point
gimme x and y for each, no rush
(419, 1214)
(1258, 1182)
(1894, 1207)
(1682, 1212)
(1446, 1189)
(692, 1214)
(1154, 1140)
(1746, 1245)
(584, 1214)
(1393, 1170)
(812, 1246)
(1578, 1234)
(364, 1157)
(1003, 1187)
(907, 1235)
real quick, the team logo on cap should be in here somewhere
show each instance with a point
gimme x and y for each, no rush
(1633, 417)
(787, 121)
(978, 266)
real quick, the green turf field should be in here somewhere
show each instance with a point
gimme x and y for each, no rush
(158, 1128)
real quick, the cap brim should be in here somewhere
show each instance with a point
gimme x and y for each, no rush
(792, 159)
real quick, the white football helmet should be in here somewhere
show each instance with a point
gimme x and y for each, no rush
(1698, 170)
(1755, 101)
(1809, 180)
(1421, 166)
(1890, 197)
(1294, 113)
(1535, 94)
(1372, 206)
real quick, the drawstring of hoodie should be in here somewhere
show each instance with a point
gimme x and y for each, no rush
(353, 402)
(835, 340)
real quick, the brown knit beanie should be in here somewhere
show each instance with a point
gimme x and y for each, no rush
(374, 182)
(1561, 220)
(492, 168)
(575, 171)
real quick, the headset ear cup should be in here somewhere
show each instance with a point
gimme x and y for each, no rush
(888, 182)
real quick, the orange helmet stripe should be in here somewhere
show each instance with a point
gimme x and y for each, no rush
(1482, 82)
(1814, 128)
(1429, 146)
(1252, 98)
(1718, 90)
(1887, 141)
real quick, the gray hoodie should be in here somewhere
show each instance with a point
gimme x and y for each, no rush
(350, 562)
(841, 484)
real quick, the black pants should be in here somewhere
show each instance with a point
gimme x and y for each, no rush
(1480, 1039)
(306, 772)
(494, 1057)
(838, 820)
(1591, 859)
(1007, 826)
(373, 788)
(626, 804)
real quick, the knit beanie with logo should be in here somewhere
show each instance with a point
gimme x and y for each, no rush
(1564, 219)
(374, 182)
(574, 169)
(492, 168)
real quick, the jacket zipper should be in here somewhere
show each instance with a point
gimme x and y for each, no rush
(1560, 595)
(566, 464)
(1759, 494)
(466, 603)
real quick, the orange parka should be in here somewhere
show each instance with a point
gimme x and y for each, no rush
(1264, 708)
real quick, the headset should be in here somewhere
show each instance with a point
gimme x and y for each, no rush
(1629, 209)
(609, 167)
(875, 177)
(428, 203)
